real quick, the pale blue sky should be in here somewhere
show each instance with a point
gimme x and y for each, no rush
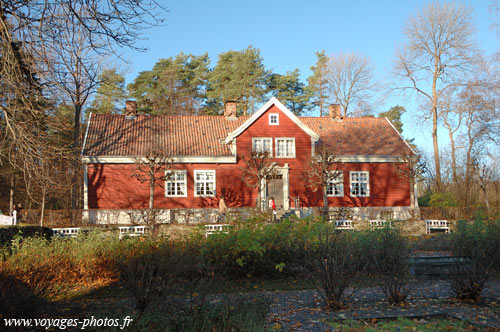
(289, 32)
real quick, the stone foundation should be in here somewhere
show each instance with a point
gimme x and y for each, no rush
(162, 216)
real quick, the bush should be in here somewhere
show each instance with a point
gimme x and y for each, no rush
(7, 234)
(17, 298)
(80, 261)
(387, 251)
(445, 199)
(477, 247)
(334, 258)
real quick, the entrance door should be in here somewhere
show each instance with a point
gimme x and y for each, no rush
(275, 189)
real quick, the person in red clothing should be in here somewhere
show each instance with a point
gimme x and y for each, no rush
(272, 206)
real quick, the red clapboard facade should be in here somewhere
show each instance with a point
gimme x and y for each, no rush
(208, 151)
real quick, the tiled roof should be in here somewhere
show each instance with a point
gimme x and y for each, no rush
(115, 135)
(358, 136)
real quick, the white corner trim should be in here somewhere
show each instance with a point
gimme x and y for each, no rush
(262, 110)
(86, 133)
(175, 159)
(85, 187)
(399, 134)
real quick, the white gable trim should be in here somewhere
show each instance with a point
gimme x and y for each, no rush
(273, 101)
(86, 134)
(399, 134)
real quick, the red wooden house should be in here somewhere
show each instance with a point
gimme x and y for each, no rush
(207, 158)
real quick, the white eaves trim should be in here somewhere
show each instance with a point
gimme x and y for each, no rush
(175, 159)
(273, 101)
(399, 134)
(368, 159)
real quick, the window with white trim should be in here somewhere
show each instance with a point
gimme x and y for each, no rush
(274, 119)
(285, 147)
(175, 186)
(204, 183)
(335, 186)
(262, 144)
(360, 184)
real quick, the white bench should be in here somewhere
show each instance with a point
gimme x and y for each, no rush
(6, 220)
(216, 228)
(131, 231)
(378, 223)
(344, 224)
(66, 232)
(436, 225)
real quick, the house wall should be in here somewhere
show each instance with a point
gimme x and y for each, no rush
(111, 186)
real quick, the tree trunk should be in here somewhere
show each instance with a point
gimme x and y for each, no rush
(325, 203)
(437, 164)
(453, 157)
(42, 211)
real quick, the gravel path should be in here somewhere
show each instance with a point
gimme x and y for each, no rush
(304, 310)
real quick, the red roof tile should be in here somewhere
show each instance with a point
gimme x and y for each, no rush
(115, 135)
(359, 136)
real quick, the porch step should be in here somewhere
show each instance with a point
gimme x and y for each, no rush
(281, 214)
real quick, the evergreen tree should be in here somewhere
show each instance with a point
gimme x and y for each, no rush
(238, 76)
(394, 115)
(174, 86)
(110, 94)
(290, 91)
(318, 81)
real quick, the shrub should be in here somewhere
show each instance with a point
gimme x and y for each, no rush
(80, 261)
(7, 234)
(334, 259)
(149, 267)
(387, 251)
(17, 298)
(445, 199)
(477, 247)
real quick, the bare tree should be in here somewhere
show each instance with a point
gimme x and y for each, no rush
(323, 172)
(48, 50)
(153, 170)
(439, 47)
(349, 79)
(259, 167)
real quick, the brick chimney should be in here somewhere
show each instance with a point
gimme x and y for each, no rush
(230, 110)
(130, 108)
(335, 111)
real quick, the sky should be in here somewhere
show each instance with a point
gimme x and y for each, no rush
(288, 33)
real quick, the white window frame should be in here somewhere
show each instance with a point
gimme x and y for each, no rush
(285, 139)
(277, 119)
(336, 181)
(196, 172)
(173, 179)
(270, 139)
(351, 173)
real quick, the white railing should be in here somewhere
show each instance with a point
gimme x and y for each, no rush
(436, 225)
(378, 223)
(66, 232)
(6, 220)
(344, 224)
(131, 231)
(216, 228)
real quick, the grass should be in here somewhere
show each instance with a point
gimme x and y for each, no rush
(405, 324)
